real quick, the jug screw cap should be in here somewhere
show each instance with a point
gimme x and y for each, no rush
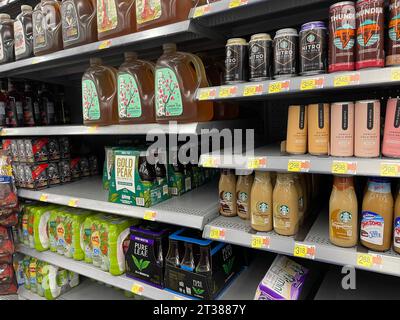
(4, 16)
(25, 7)
(94, 61)
(131, 55)
(169, 47)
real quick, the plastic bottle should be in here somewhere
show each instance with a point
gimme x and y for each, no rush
(136, 91)
(47, 107)
(261, 202)
(173, 256)
(3, 105)
(6, 38)
(396, 233)
(204, 265)
(29, 110)
(15, 111)
(99, 94)
(23, 33)
(227, 194)
(243, 191)
(188, 263)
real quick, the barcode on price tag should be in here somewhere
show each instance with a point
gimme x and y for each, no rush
(217, 233)
(260, 242)
(304, 251)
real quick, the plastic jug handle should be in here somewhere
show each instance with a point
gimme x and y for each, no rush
(202, 81)
(150, 67)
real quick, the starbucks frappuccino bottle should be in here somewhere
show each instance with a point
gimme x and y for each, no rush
(343, 213)
(227, 194)
(396, 238)
(243, 190)
(261, 202)
(300, 193)
(285, 205)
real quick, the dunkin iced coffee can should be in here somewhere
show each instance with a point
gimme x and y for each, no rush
(370, 49)
(342, 36)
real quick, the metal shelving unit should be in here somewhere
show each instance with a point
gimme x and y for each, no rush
(194, 209)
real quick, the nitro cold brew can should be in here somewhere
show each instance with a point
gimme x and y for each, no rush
(286, 44)
(260, 56)
(236, 61)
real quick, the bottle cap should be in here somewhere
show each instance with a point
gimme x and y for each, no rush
(26, 8)
(130, 55)
(4, 16)
(169, 47)
(94, 61)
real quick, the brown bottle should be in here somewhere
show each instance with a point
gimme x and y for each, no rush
(3, 104)
(47, 30)
(115, 18)
(151, 14)
(99, 94)
(6, 39)
(29, 108)
(23, 33)
(136, 90)
(178, 76)
(47, 107)
(79, 23)
(14, 109)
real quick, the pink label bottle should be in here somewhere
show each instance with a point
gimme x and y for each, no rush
(367, 129)
(391, 139)
(342, 129)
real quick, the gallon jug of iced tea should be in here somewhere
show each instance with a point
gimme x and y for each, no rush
(6, 39)
(156, 13)
(115, 18)
(47, 30)
(178, 76)
(23, 33)
(99, 94)
(136, 90)
(79, 22)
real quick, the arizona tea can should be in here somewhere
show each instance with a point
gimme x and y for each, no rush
(342, 36)
(313, 48)
(260, 56)
(236, 61)
(370, 51)
(393, 54)
(285, 53)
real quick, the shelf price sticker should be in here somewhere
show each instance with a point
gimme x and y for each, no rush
(73, 203)
(105, 44)
(299, 165)
(237, 3)
(228, 92)
(312, 83)
(44, 197)
(304, 251)
(279, 86)
(217, 233)
(347, 80)
(210, 162)
(260, 242)
(257, 163)
(390, 170)
(93, 129)
(253, 90)
(369, 260)
(395, 76)
(207, 94)
(201, 11)
(137, 289)
(150, 215)
(3, 132)
(343, 167)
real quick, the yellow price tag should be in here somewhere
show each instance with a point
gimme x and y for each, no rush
(177, 298)
(389, 170)
(279, 86)
(73, 203)
(365, 260)
(201, 11)
(257, 163)
(347, 80)
(312, 84)
(93, 129)
(299, 165)
(44, 197)
(207, 94)
(304, 251)
(3, 132)
(36, 61)
(137, 289)
(226, 92)
(105, 44)
(150, 215)
(342, 167)
(217, 234)
(253, 90)
(396, 74)
(260, 242)
(210, 162)
(237, 3)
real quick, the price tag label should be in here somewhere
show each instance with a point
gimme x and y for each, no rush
(217, 233)
(44, 197)
(347, 80)
(210, 162)
(36, 61)
(150, 215)
(369, 260)
(312, 84)
(201, 11)
(390, 170)
(105, 44)
(260, 242)
(227, 92)
(73, 203)
(279, 86)
(3, 132)
(395, 74)
(257, 163)
(304, 251)
(253, 90)
(93, 129)
(343, 167)
(207, 94)
(137, 289)
(299, 165)
(237, 3)
(177, 298)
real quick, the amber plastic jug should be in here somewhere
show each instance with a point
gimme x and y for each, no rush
(115, 18)
(178, 76)
(6, 38)
(79, 22)
(136, 90)
(156, 13)
(47, 30)
(23, 33)
(99, 94)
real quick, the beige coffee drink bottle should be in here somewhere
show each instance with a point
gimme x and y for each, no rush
(343, 213)
(318, 129)
(342, 129)
(261, 202)
(303, 182)
(296, 142)
(300, 193)
(396, 236)
(227, 194)
(285, 205)
(243, 191)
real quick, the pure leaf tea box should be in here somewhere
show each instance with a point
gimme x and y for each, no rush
(203, 268)
(134, 181)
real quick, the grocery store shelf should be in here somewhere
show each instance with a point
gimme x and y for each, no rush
(195, 128)
(270, 158)
(302, 85)
(317, 244)
(194, 209)
(9, 297)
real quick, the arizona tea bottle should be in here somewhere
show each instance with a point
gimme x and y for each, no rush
(393, 40)
(370, 49)
(342, 33)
